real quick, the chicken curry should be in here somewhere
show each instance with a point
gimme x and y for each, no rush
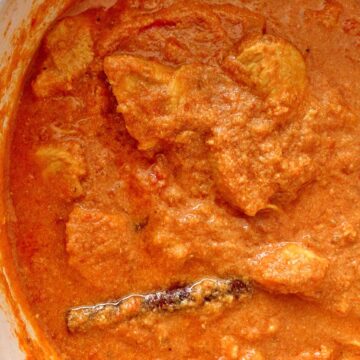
(185, 178)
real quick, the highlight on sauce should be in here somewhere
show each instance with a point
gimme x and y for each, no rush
(185, 178)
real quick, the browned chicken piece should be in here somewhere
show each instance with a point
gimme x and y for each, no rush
(101, 247)
(65, 165)
(289, 268)
(201, 293)
(157, 100)
(69, 49)
(273, 68)
(217, 28)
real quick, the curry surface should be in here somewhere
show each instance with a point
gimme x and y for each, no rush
(155, 145)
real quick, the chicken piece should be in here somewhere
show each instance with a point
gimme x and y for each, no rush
(182, 234)
(289, 268)
(273, 68)
(142, 90)
(258, 164)
(101, 247)
(64, 165)
(69, 48)
(243, 172)
(157, 101)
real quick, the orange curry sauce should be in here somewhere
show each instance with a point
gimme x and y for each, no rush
(161, 142)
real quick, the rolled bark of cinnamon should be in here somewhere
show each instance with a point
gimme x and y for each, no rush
(84, 318)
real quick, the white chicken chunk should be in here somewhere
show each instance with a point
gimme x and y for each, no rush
(289, 268)
(141, 88)
(69, 48)
(274, 68)
(66, 165)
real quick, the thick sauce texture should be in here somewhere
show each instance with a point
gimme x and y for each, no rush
(158, 143)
